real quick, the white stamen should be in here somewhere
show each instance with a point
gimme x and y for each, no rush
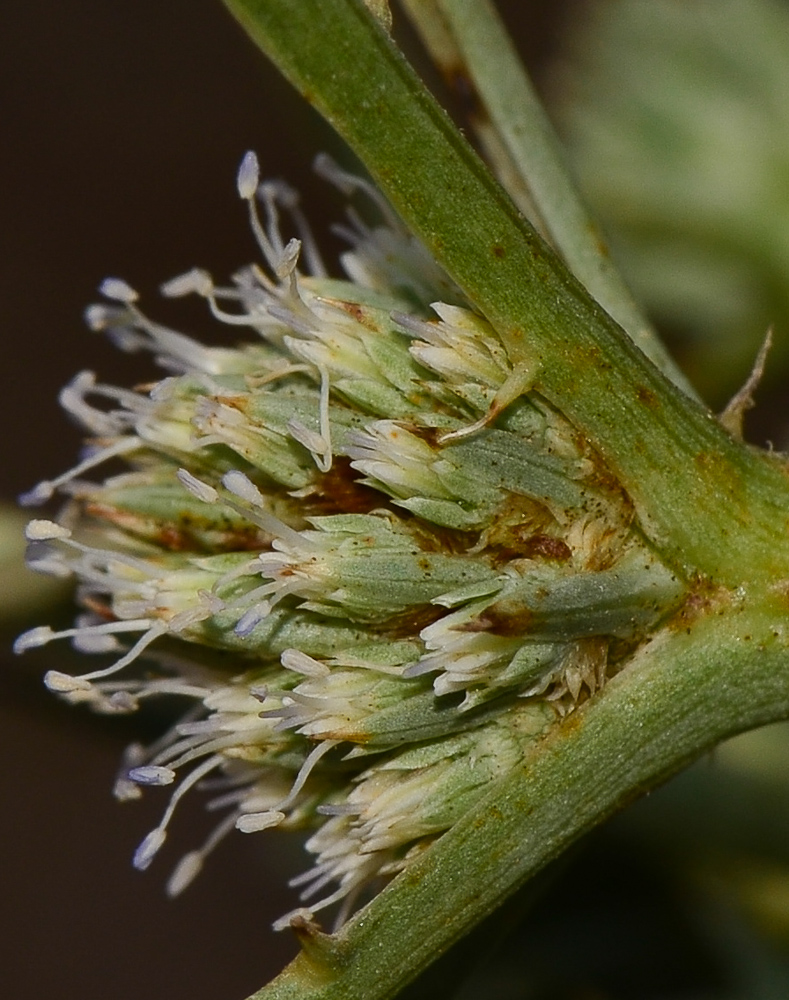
(276, 192)
(248, 176)
(124, 789)
(34, 638)
(319, 445)
(287, 259)
(150, 774)
(347, 183)
(98, 422)
(193, 282)
(118, 289)
(186, 871)
(95, 557)
(44, 491)
(273, 194)
(257, 611)
(145, 853)
(346, 908)
(318, 869)
(254, 822)
(191, 864)
(249, 621)
(43, 634)
(123, 702)
(197, 487)
(148, 848)
(294, 659)
(340, 809)
(208, 604)
(242, 487)
(38, 495)
(50, 563)
(154, 631)
(39, 530)
(304, 771)
(269, 252)
(60, 683)
(231, 319)
(133, 331)
(347, 886)
(99, 317)
(313, 442)
(178, 351)
(92, 642)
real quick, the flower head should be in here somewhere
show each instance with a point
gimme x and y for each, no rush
(373, 613)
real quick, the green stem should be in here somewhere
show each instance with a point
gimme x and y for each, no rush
(708, 503)
(466, 37)
(693, 685)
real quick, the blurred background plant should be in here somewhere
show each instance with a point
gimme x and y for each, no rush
(123, 129)
(676, 121)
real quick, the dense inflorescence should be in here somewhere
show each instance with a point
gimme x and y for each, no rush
(390, 591)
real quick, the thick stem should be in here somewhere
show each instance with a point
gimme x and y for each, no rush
(708, 503)
(466, 38)
(694, 684)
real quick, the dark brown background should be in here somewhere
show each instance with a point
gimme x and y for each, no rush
(122, 127)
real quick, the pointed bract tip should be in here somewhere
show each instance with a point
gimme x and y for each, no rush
(296, 920)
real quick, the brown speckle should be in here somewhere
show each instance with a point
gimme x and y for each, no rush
(410, 621)
(498, 620)
(433, 538)
(646, 396)
(701, 600)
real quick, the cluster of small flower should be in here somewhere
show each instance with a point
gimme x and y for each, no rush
(377, 591)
